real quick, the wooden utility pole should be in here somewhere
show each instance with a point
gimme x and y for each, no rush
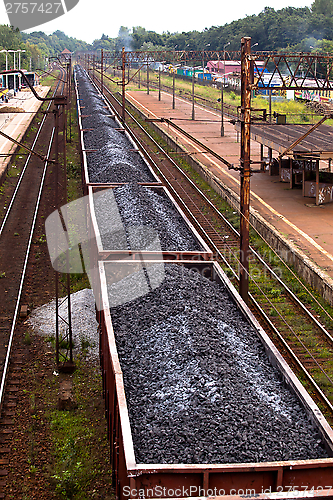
(102, 64)
(193, 110)
(159, 83)
(173, 89)
(245, 167)
(123, 61)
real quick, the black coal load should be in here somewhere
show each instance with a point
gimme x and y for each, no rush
(198, 383)
(147, 216)
(114, 159)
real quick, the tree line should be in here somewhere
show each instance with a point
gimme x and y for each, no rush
(38, 46)
(288, 29)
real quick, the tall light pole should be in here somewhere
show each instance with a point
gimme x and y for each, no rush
(19, 66)
(222, 91)
(6, 51)
(14, 79)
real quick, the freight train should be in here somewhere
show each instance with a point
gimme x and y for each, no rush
(198, 400)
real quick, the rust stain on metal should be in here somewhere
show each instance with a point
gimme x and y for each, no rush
(245, 167)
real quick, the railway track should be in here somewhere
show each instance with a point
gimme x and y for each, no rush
(17, 233)
(292, 324)
(229, 109)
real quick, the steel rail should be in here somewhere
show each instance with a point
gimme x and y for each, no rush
(260, 310)
(26, 163)
(291, 353)
(225, 221)
(24, 269)
(253, 251)
(18, 299)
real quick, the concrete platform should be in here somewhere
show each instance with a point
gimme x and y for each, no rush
(16, 124)
(302, 224)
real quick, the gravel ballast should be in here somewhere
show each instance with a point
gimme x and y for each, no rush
(84, 324)
(114, 159)
(147, 216)
(199, 385)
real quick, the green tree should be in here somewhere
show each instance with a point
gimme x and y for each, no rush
(324, 7)
(10, 38)
(105, 43)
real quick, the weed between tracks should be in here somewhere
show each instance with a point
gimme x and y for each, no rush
(79, 439)
(59, 454)
(296, 111)
(66, 453)
(74, 179)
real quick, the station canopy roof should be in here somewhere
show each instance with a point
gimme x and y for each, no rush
(318, 144)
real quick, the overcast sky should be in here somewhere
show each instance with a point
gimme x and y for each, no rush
(91, 18)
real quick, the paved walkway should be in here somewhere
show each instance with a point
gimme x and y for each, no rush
(308, 226)
(15, 124)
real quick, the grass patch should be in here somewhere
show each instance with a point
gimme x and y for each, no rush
(66, 452)
(296, 111)
(77, 281)
(73, 158)
(27, 339)
(79, 439)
